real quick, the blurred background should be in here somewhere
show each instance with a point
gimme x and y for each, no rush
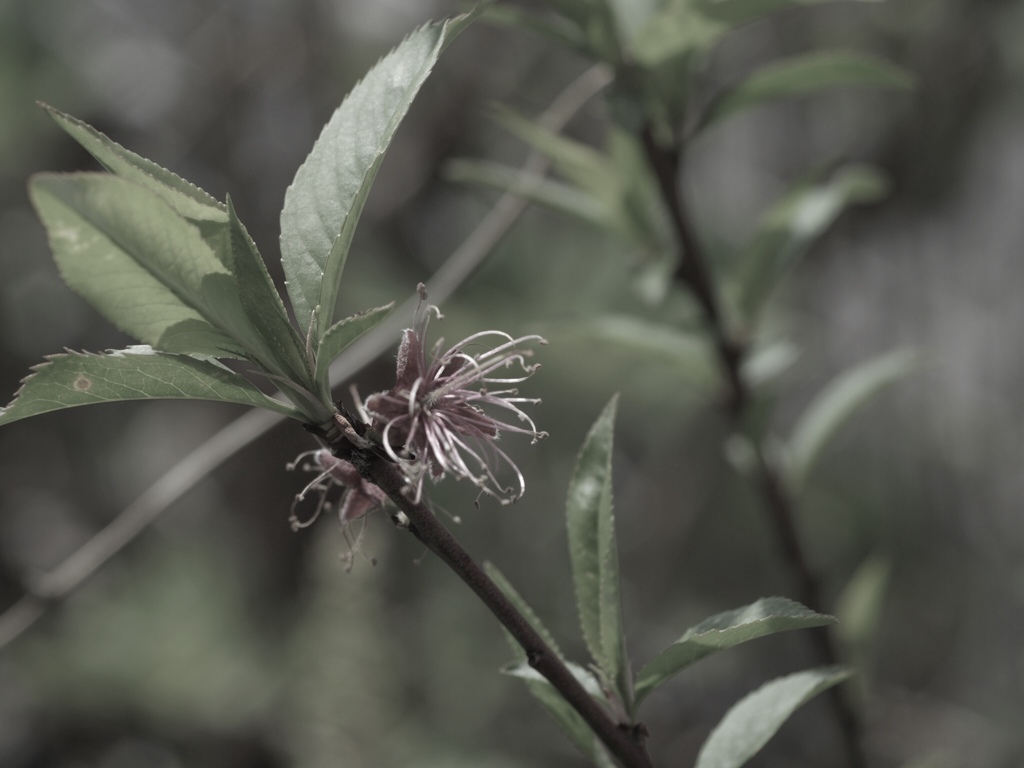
(220, 639)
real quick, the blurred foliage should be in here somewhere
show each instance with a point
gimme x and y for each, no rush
(221, 639)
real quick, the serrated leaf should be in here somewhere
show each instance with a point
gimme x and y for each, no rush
(788, 228)
(800, 75)
(766, 616)
(147, 269)
(545, 191)
(748, 726)
(837, 403)
(568, 719)
(278, 340)
(82, 213)
(137, 373)
(523, 607)
(184, 197)
(324, 202)
(591, 527)
(343, 333)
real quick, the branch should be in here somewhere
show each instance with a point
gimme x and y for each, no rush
(692, 272)
(225, 443)
(624, 741)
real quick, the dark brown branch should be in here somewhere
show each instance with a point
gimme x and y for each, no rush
(623, 740)
(692, 272)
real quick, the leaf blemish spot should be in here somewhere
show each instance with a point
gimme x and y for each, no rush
(82, 383)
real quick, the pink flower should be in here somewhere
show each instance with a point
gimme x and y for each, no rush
(433, 420)
(359, 496)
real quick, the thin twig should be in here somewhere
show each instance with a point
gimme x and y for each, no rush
(218, 448)
(692, 272)
(624, 740)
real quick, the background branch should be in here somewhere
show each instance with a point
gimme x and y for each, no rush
(693, 274)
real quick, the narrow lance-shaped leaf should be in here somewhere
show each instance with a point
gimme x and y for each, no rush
(98, 265)
(837, 403)
(340, 335)
(137, 373)
(264, 309)
(684, 27)
(184, 197)
(748, 726)
(567, 718)
(791, 226)
(859, 609)
(725, 630)
(553, 194)
(323, 203)
(806, 74)
(524, 608)
(595, 568)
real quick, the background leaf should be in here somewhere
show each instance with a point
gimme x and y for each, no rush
(755, 719)
(788, 229)
(595, 566)
(135, 373)
(837, 403)
(557, 195)
(800, 75)
(323, 204)
(725, 630)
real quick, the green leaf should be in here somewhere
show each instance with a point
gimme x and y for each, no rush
(834, 406)
(805, 74)
(595, 565)
(736, 12)
(187, 199)
(567, 718)
(755, 719)
(523, 607)
(558, 28)
(688, 353)
(136, 373)
(324, 202)
(340, 335)
(859, 609)
(766, 616)
(675, 33)
(584, 166)
(787, 230)
(553, 194)
(119, 246)
(686, 27)
(275, 335)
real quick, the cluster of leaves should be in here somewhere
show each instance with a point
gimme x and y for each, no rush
(176, 269)
(591, 527)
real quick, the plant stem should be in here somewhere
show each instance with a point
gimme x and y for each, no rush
(624, 741)
(692, 272)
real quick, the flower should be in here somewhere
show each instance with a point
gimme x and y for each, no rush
(433, 420)
(359, 496)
